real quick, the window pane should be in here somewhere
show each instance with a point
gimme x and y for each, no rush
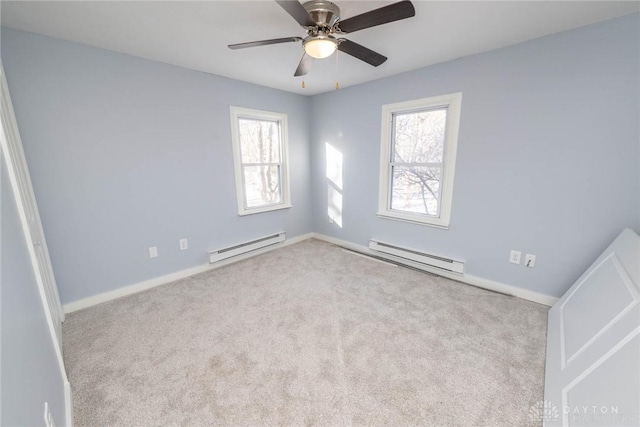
(416, 189)
(259, 141)
(262, 185)
(419, 136)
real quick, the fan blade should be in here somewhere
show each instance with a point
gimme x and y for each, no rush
(384, 15)
(264, 42)
(297, 12)
(305, 65)
(361, 52)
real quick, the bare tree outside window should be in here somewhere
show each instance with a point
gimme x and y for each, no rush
(260, 147)
(261, 161)
(417, 161)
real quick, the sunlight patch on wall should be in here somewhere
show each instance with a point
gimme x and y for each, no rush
(334, 205)
(334, 187)
(334, 165)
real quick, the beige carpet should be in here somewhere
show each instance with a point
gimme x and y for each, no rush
(307, 335)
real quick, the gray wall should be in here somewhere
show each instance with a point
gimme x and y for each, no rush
(127, 153)
(548, 156)
(30, 372)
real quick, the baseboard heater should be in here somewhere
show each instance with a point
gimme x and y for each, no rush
(416, 259)
(242, 248)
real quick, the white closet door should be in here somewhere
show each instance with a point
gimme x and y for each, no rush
(28, 209)
(593, 343)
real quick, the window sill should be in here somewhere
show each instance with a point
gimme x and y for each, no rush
(246, 212)
(435, 223)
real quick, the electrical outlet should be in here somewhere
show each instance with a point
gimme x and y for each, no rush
(153, 252)
(515, 256)
(48, 418)
(530, 261)
(184, 244)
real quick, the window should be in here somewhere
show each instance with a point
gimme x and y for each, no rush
(417, 160)
(260, 156)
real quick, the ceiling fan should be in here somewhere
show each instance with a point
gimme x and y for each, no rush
(321, 20)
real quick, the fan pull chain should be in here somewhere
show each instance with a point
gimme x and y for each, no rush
(303, 85)
(337, 72)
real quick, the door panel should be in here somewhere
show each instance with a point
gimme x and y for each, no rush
(586, 314)
(607, 386)
(592, 373)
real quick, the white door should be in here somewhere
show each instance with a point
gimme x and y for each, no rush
(593, 344)
(21, 182)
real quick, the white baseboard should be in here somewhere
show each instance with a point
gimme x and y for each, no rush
(162, 280)
(492, 285)
(68, 403)
(465, 278)
(172, 277)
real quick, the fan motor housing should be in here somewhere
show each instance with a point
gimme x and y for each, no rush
(324, 13)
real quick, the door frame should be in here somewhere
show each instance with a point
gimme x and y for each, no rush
(15, 162)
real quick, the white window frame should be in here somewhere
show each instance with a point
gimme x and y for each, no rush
(453, 103)
(237, 113)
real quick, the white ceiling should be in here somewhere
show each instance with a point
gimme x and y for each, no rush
(195, 35)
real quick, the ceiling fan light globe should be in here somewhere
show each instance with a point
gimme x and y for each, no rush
(320, 48)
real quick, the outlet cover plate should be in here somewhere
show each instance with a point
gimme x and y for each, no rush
(153, 252)
(530, 261)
